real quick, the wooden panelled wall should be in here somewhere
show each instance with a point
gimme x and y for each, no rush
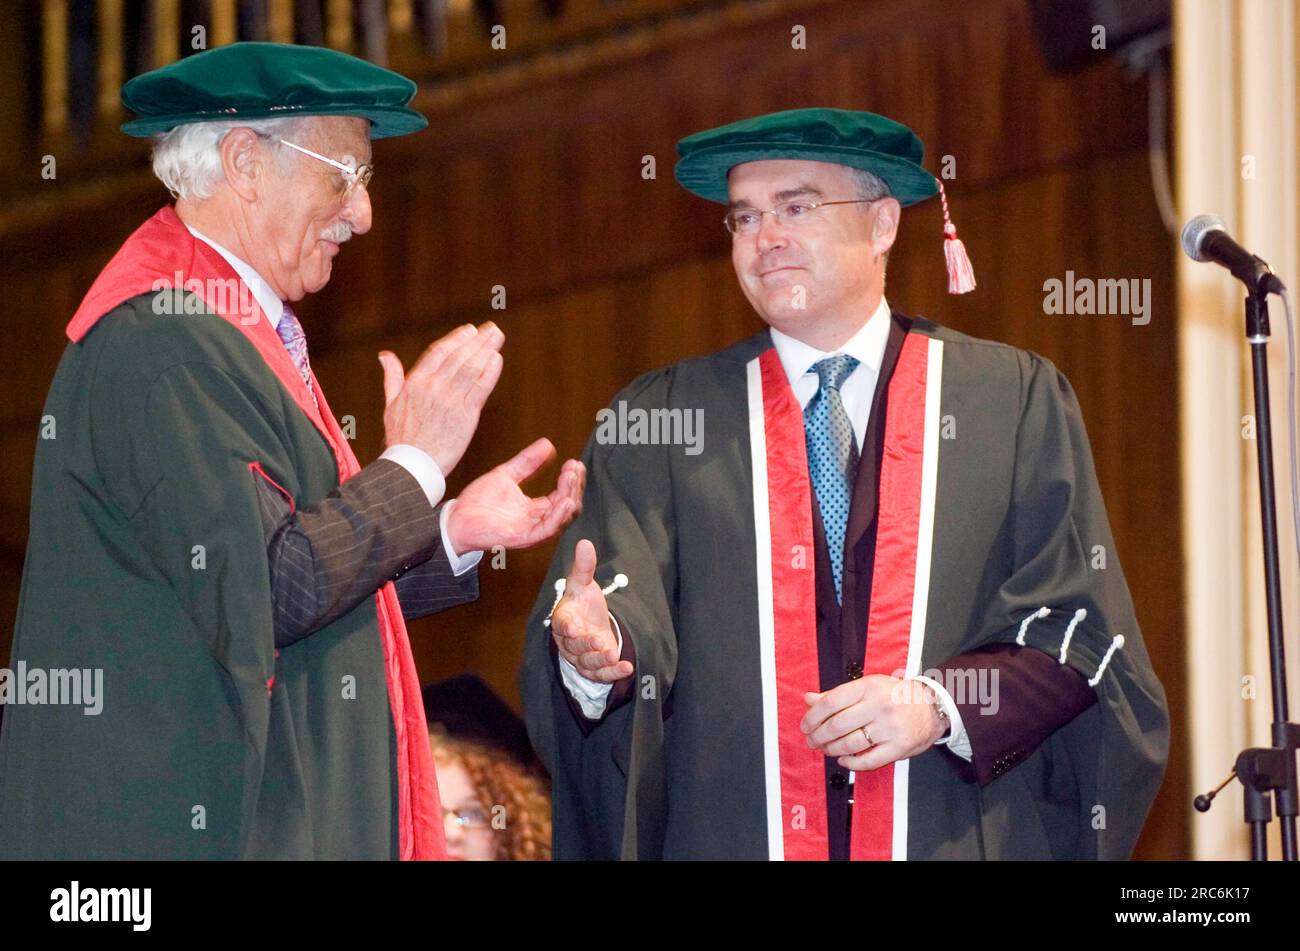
(539, 189)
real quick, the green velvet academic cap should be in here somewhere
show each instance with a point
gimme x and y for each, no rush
(862, 140)
(270, 81)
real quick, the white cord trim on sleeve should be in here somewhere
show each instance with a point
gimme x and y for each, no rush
(1116, 643)
(1079, 615)
(559, 595)
(1024, 625)
(620, 581)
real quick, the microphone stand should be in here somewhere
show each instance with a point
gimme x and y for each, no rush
(1273, 768)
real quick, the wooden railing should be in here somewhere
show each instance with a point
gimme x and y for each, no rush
(88, 48)
(62, 154)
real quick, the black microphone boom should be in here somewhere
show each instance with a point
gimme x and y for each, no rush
(1206, 239)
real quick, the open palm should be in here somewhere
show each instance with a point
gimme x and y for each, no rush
(493, 510)
(580, 623)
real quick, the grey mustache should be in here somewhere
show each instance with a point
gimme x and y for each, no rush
(337, 233)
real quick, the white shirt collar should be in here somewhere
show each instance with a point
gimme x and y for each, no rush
(266, 298)
(867, 346)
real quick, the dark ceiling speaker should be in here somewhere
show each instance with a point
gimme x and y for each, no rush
(1071, 32)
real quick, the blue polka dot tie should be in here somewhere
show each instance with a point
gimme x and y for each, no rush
(832, 456)
(295, 341)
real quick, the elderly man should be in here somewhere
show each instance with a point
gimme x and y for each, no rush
(201, 531)
(880, 614)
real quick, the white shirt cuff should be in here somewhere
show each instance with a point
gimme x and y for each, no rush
(590, 694)
(956, 740)
(459, 563)
(421, 465)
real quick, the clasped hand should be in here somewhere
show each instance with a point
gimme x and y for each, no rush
(872, 721)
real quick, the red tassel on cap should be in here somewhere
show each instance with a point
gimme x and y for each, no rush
(961, 276)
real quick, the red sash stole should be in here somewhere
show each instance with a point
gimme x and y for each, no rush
(783, 499)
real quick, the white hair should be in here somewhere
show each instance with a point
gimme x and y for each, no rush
(188, 158)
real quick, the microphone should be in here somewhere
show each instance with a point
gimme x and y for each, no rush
(1206, 239)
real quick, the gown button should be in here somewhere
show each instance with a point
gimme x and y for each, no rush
(839, 781)
(854, 670)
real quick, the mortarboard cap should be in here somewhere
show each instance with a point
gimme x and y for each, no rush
(469, 709)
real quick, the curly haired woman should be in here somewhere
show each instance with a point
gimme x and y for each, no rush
(495, 809)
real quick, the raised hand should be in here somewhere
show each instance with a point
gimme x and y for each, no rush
(436, 406)
(581, 625)
(493, 510)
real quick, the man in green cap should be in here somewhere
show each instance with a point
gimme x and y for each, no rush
(203, 540)
(866, 618)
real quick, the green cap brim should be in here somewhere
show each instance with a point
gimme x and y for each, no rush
(704, 171)
(385, 122)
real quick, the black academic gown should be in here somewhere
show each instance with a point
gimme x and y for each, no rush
(842, 632)
(676, 772)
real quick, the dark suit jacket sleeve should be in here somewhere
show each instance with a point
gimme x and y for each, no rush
(1034, 697)
(430, 586)
(374, 528)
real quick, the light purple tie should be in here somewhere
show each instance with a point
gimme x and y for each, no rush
(295, 341)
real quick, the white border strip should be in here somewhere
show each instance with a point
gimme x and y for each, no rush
(766, 615)
(921, 587)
